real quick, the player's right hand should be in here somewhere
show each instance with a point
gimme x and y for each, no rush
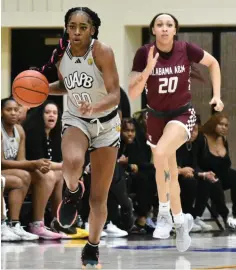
(85, 108)
(152, 60)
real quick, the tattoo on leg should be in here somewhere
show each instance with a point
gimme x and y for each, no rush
(168, 196)
(167, 175)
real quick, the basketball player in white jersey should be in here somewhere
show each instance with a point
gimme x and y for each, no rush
(89, 76)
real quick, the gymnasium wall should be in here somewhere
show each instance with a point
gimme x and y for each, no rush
(121, 23)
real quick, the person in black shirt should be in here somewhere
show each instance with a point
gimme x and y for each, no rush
(214, 155)
(43, 140)
(193, 181)
(135, 156)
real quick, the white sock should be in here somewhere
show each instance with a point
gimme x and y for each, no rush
(179, 218)
(164, 208)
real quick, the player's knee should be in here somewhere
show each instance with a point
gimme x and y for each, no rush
(160, 155)
(73, 162)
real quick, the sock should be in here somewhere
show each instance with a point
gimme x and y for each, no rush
(164, 208)
(179, 218)
(92, 245)
(14, 222)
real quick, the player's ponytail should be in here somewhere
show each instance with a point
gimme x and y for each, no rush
(56, 55)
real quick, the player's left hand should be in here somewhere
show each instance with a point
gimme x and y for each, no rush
(85, 108)
(219, 105)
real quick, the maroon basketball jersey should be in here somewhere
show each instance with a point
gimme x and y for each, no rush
(168, 87)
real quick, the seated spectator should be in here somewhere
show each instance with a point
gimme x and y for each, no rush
(33, 172)
(8, 184)
(192, 180)
(136, 159)
(117, 196)
(214, 156)
(43, 140)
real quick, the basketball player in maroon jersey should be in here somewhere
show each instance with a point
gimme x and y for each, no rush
(163, 68)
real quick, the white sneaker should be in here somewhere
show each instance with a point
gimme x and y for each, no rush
(231, 222)
(18, 230)
(103, 234)
(113, 231)
(183, 240)
(205, 227)
(163, 227)
(7, 234)
(196, 228)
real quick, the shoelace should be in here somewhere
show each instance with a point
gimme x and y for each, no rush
(99, 125)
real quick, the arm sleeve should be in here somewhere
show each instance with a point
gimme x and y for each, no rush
(194, 52)
(140, 60)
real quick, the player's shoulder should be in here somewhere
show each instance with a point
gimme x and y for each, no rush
(101, 48)
(145, 48)
(180, 44)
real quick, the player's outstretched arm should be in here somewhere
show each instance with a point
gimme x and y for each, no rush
(215, 74)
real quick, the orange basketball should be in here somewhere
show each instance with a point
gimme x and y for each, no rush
(30, 88)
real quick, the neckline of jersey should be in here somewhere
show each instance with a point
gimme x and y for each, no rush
(165, 55)
(88, 50)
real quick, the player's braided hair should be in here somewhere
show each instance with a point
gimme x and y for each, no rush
(63, 42)
(159, 14)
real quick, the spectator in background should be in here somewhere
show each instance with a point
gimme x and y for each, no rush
(117, 196)
(43, 129)
(33, 172)
(214, 156)
(136, 161)
(193, 181)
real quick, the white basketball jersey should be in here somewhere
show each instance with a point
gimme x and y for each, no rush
(10, 144)
(83, 81)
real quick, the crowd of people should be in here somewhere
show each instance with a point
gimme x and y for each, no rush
(31, 170)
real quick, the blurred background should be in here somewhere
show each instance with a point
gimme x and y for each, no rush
(31, 29)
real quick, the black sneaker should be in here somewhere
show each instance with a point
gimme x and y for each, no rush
(138, 229)
(56, 227)
(67, 211)
(90, 257)
(127, 217)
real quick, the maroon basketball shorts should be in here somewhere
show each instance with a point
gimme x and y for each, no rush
(156, 125)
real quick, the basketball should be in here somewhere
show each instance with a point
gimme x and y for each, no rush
(30, 88)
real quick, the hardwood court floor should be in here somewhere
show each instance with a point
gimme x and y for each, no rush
(208, 251)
